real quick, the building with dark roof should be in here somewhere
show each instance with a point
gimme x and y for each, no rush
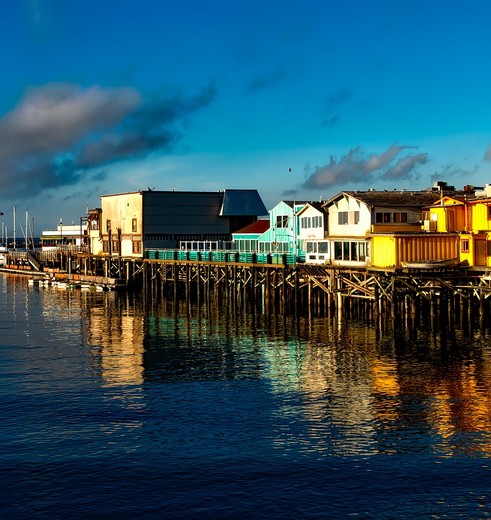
(135, 221)
(359, 213)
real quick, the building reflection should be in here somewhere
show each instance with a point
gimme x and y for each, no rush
(120, 335)
(364, 391)
(338, 387)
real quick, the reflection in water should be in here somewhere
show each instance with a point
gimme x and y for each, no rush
(334, 386)
(119, 334)
(115, 404)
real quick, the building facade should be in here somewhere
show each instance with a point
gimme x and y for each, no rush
(131, 222)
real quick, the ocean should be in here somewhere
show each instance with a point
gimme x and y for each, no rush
(113, 405)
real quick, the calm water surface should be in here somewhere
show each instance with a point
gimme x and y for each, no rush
(115, 406)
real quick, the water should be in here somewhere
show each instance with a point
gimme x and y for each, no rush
(112, 406)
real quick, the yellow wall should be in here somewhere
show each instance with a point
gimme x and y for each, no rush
(383, 251)
(479, 217)
(391, 251)
(449, 216)
(467, 257)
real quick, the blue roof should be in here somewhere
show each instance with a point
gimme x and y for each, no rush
(242, 203)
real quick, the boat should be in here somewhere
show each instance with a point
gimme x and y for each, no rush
(431, 264)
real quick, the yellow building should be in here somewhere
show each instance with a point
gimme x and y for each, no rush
(449, 214)
(470, 216)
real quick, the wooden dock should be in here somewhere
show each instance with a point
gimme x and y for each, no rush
(278, 286)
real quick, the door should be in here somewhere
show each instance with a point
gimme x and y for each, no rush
(480, 252)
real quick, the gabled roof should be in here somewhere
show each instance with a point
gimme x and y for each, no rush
(242, 203)
(447, 200)
(260, 226)
(316, 205)
(389, 198)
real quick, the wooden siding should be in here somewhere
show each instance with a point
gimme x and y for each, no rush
(392, 251)
(383, 251)
(480, 221)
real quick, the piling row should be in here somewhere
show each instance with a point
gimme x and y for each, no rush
(283, 288)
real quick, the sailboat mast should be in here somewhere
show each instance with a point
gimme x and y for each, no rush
(15, 242)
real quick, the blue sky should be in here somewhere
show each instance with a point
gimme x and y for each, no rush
(111, 96)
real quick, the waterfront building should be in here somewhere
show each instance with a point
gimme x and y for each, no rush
(355, 216)
(282, 235)
(475, 242)
(245, 240)
(130, 223)
(449, 214)
(313, 233)
(72, 236)
(468, 213)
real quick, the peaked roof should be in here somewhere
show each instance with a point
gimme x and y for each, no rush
(317, 205)
(294, 202)
(389, 198)
(242, 203)
(447, 200)
(260, 226)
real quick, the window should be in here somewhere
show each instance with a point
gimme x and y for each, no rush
(354, 217)
(464, 246)
(400, 217)
(105, 246)
(362, 251)
(346, 249)
(137, 246)
(108, 225)
(354, 250)
(349, 251)
(338, 250)
(489, 212)
(347, 217)
(134, 228)
(115, 246)
(382, 217)
(342, 218)
(281, 221)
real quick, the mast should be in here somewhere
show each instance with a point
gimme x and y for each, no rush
(15, 243)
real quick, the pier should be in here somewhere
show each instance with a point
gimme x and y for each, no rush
(272, 283)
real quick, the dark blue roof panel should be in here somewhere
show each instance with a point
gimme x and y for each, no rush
(242, 203)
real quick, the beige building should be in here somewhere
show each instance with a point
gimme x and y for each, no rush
(130, 223)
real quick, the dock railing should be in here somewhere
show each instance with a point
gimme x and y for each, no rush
(227, 256)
